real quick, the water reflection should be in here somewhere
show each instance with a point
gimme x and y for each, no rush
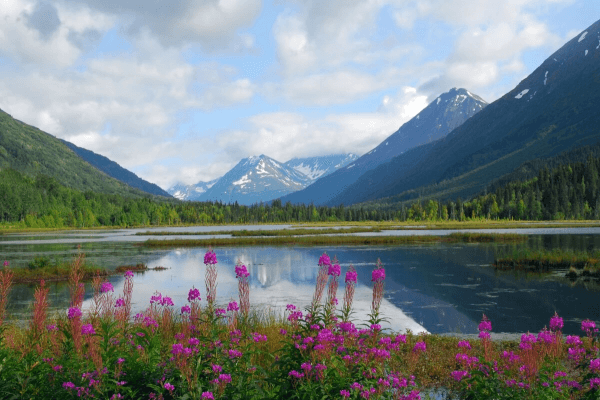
(436, 288)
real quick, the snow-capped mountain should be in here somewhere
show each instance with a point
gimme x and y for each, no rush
(317, 167)
(435, 121)
(262, 178)
(256, 179)
(193, 192)
(553, 110)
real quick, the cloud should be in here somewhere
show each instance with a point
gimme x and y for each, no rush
(214, 24)
(492, 37)
(284, 135)
(139, 100)
(44, 19)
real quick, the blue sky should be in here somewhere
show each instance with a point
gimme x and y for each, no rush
(181, 90)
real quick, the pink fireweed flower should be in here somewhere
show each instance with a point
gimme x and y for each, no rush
(169, 387)
(588, 325)
(464, 344)
(458, 375)
(241, 271)
(5, 263)
(324, 260)
(107, 287)
(573, 340)
(595, 383)
(51, 328)
(345, 394)
(220, 312)
(400, 338)
(74, 312)
(156, 298)
(484, 335)
(210, 258)
(334, 270)
(545, 337)
(556, 323)
(378, 275)
(485, 324)
(193, 341)
(351, 276)
(420, 346)
(194, 294)
(166, 301)
(120, 302)
(528, 338)
(233, 306)
(216, 368)
(234, 354)
(226, 378)
(186, 309)
(296, 374)
(595, 365)
(87, 329)
(128, 274)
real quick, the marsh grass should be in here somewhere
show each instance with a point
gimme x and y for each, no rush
(261, 232)
(318, 240)
(548, 260)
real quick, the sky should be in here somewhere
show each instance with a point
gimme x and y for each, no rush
(182, 90)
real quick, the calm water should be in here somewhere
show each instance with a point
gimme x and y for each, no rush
(434, 288)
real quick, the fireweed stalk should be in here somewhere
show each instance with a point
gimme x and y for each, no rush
(334, 271)
(40, 308)
(6, 281)
(243, 276)
(485, 327)
(210, 260)
(351, 278)
(378, 277)
(123, 304)
(322, 277)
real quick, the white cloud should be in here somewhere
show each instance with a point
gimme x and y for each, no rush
(138, 99)
(212, 23)
(284, 135)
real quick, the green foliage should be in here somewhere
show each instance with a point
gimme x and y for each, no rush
(33, 152)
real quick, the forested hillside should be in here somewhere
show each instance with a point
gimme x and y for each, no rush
(44, 202)
(567, 191)
(31, 151)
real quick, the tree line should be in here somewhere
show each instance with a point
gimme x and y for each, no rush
(568, 191)
(42, 202)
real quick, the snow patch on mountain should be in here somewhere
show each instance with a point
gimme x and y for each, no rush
(523, 93)
(583, 35)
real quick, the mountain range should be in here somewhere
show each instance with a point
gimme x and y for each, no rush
(261, 178)
(554, 109)
(440, 117)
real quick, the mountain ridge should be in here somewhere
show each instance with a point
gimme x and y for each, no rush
(436, 120)
(551, 110)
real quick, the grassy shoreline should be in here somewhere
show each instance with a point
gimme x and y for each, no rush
(475, 224)
(337, 240)
(60, 272)
(543, 261)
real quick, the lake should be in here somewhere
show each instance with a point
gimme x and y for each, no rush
(436, 288)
